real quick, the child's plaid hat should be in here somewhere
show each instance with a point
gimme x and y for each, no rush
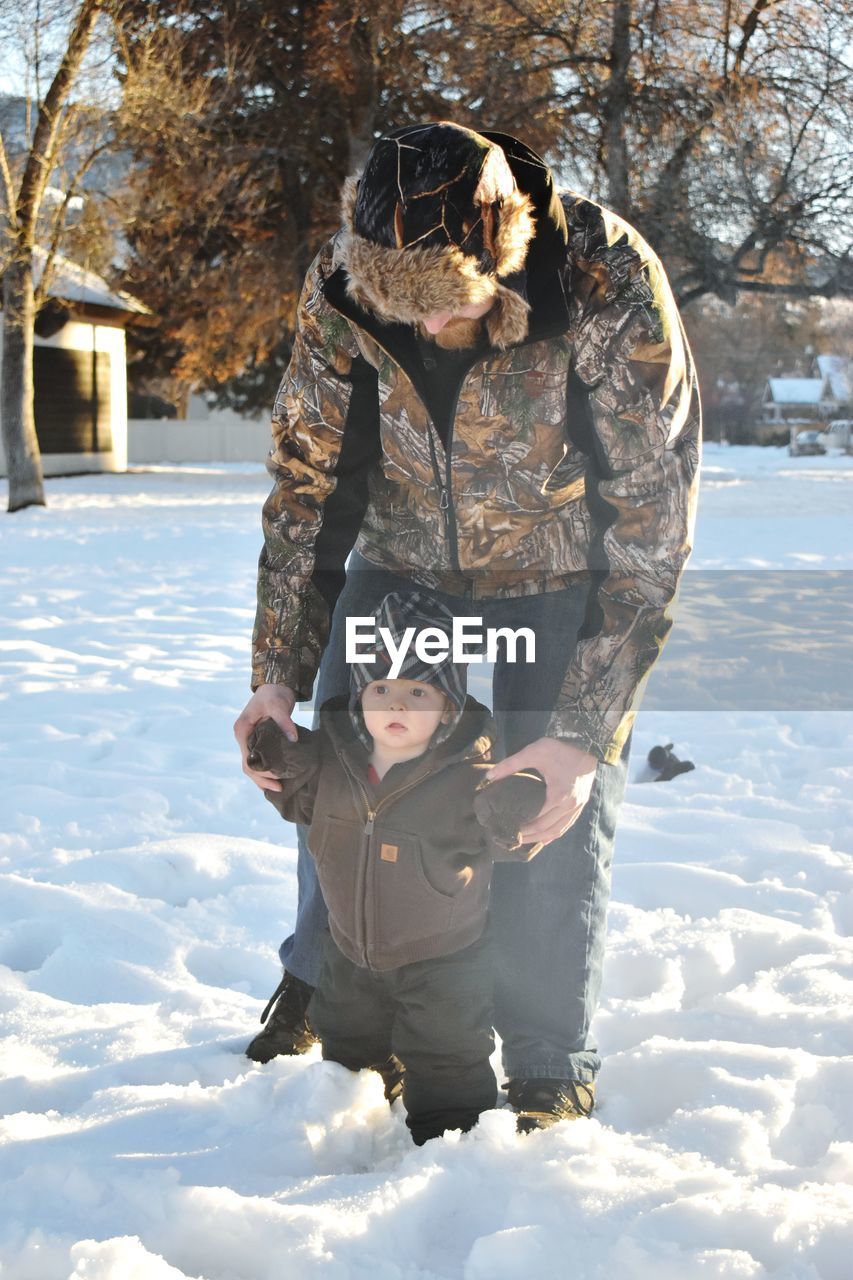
(397, 612)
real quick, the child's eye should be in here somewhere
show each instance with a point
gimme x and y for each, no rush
(419, 693)
(379, 688)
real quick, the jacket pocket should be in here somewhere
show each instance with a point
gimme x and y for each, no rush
(331, 835)
(335, 844)
(405, 904)
(530, 479)
(567, 477)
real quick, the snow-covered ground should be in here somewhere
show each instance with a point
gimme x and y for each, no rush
(146, 885)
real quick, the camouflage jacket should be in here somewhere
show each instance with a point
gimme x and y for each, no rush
(573, 454)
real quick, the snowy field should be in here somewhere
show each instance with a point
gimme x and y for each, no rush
(146, 886)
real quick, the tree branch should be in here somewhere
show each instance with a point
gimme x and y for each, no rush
(835, 287)
(59, 221)
(8, 186)
(51, 123)
(749, 27)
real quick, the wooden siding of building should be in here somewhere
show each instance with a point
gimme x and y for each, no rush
(72, 400)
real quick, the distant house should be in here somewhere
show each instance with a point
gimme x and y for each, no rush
(80, 372)
(838, 371)
(796, 399)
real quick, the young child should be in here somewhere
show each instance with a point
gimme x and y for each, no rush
(404, 831)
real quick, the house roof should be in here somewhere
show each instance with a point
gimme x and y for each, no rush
(795, 390)
(70, 282)
(837, 370)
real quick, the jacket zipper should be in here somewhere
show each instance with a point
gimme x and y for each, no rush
(367, 833)
(365, 862)
(445, 489)
(445, 502)
(445, 484)
(451, 527)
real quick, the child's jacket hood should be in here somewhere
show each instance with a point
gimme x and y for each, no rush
(472, 738)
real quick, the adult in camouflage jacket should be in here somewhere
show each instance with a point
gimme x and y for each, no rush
(545, 473)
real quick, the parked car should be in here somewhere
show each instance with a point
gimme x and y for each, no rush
(806, 443)
(839, 435)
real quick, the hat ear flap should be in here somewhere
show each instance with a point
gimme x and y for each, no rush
(507, 322)
(516, 228)
(349, 195)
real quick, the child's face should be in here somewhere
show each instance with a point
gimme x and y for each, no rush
(402, 715)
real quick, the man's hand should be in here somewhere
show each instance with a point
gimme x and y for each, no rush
(569, 774)
(273, 701)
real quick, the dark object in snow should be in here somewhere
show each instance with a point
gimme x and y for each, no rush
(667, 763)
(542, 1103)
(288, 1030)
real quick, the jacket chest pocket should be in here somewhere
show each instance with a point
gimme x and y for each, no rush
(536, 475)
(404, 433)
(527, 387)
(511, 442)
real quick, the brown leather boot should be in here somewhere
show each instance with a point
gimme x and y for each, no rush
(541, 1103)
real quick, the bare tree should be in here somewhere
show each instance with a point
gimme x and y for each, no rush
(241, 148)
(25, 174)
(720, 127)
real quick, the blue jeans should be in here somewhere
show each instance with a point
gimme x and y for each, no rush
(548, 916)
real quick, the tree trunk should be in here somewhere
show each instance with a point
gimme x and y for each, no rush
(26, 485)
(616, 110)
(364, 97)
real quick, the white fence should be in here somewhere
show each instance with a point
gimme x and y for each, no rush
(161, 440)
(166, 440)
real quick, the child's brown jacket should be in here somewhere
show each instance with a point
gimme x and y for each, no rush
(404, 866)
